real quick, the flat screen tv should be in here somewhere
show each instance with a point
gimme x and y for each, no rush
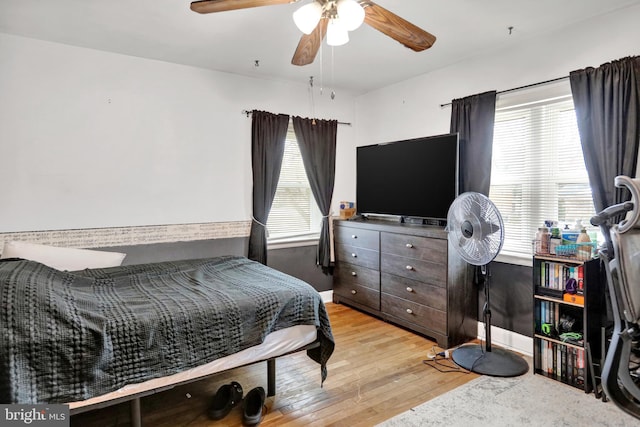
(416, 178)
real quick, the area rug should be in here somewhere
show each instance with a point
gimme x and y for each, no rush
(528, 400)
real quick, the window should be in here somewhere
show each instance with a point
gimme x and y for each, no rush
(294, 214)
(538, 170)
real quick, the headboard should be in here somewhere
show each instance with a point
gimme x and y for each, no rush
(143, 244)
(172, 251)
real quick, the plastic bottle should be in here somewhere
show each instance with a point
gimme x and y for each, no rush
(570, 235)
(584, 250)
(555, 240)
(542, 240)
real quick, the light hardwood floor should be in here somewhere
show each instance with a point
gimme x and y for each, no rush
(376, 372)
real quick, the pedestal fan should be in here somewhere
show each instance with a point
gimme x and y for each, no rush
(476, 230)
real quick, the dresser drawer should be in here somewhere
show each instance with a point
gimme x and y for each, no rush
(359, 294)
(348, 274)
(418, 314)
(414, 291)
(367, 239)
(358, 256)
(423, 248)
(424, 271)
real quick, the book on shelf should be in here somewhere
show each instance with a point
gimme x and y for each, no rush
(580, 279)
(570, 365)
(554, 276)
(549, 314)
(562, 363)
(581, 369)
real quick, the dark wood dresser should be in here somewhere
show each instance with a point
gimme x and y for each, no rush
(408, 275)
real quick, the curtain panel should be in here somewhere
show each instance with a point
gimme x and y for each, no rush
(268, 134)
(473, 118)
(607, 105)
(317, 142)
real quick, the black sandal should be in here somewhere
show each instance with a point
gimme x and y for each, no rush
(252, 407)
(227, 397)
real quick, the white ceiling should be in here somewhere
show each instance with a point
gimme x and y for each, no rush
(232, 41)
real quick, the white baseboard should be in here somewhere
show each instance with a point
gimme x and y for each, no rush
(327, 296)
(508, 339)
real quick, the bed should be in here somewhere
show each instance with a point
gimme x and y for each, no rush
(101, 336)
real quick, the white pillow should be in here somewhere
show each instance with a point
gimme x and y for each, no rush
(70, 259)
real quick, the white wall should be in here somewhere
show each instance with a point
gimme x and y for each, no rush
(95, 139)
(411, 109)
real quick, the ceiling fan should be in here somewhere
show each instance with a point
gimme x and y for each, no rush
(375, 16)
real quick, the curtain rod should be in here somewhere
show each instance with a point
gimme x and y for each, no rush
(248, 113)
(521, 87)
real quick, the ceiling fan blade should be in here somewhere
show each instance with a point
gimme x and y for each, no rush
(210, 6)
(397, 28)
(309, 44)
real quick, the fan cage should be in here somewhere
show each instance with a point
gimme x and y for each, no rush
(479, 215)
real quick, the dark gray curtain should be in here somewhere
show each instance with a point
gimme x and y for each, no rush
(317, 142)
(268, 134)
(473, 118)
(607, 104)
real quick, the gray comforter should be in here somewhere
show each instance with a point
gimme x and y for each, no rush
(67, 336)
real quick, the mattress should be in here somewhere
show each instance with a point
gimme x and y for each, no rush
(75, 336)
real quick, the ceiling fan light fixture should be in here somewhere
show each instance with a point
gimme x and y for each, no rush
(350, 13)
(307, 17)
(337, 34)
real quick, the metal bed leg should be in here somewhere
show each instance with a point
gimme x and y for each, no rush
(136, 413)
(271, 377)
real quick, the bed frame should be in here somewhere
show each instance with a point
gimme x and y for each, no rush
(134, 400)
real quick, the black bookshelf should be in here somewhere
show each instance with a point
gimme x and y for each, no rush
(567, 336)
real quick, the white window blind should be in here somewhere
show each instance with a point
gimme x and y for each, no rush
(294, 214)
(538, 170)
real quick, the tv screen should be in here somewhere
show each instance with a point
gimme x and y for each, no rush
(416, 178)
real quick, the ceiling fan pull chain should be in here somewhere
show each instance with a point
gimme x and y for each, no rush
(333, 92)
(312, 107)
(321, 70)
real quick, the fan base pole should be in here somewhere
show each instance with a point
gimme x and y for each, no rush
(497, 362)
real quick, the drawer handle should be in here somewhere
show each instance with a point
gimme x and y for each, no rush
(409, 311)
(353, 236)
(354, 255)
(353, 291)
(409, 289)
(408, 267)
(353, 273)
(409, 245)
